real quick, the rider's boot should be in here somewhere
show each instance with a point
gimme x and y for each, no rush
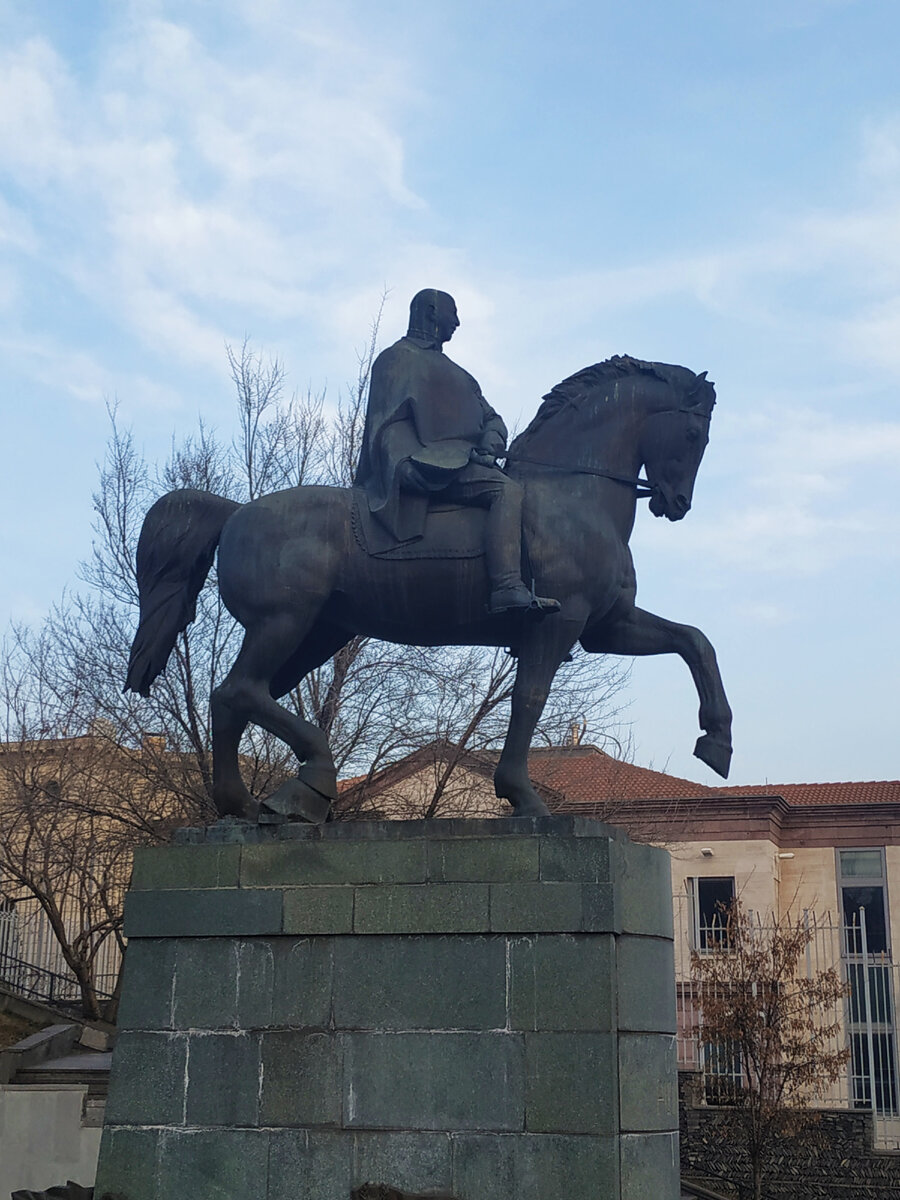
(516, 595)
(503, 544)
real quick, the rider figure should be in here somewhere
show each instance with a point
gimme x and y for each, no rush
(431, 435)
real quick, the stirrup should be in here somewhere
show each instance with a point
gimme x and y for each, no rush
(519, 599)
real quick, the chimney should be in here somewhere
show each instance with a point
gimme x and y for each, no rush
(577, 730)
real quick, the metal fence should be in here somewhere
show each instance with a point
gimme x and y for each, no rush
(32, 962)
(866, 1020)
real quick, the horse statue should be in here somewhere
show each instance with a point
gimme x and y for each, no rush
(294, 570)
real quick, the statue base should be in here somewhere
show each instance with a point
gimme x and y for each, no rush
(478, 1008)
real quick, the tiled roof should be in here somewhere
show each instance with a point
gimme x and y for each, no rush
(877, 791)
(585, 778)
(587, 775)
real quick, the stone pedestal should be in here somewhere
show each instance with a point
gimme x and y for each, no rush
(481, 1007)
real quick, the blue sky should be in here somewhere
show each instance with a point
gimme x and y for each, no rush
(708, 183)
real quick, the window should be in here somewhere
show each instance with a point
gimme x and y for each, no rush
(722, 1073)
(861, 880)
(712, 897)
(862, 885)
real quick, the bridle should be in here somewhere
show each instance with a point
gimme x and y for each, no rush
(643, 487)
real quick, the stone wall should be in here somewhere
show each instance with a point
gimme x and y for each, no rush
(834, 1161)
(485, 1007)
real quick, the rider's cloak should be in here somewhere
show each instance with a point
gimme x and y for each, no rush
(425, 409)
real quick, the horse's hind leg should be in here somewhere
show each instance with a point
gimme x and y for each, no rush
(232, 799)
(637, 632)
(245, 696)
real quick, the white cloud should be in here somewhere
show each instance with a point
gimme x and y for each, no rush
(81, 375)
(799, 492)
(197, 183)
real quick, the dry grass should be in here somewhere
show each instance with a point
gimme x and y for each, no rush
(13, 1029)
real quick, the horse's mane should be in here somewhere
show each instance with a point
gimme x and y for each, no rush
(571, 392)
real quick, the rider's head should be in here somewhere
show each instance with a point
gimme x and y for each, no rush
(433, 314)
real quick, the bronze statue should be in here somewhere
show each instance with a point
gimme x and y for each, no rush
(431, 436)
(297, 570)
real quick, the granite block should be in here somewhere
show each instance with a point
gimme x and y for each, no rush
(148, 984)
(562, 982)
(571, 1083)
(484, 1165)
(564, 1168)
(431, 908)
(205, 993)
(535, 1167)
(255, 982)
(292, 864)
(161, 868)
(216, 912)
(646, 984)
(301, 1079)
(412, 1162)
(302, 987)
(536, 908)
(223, 1079)
(644, 881)
(649, 1166)
(600, 908)
(318, 910)
(575, 860)
(433, 1081)
(648, 1082)
(420, 982)
(309, 1165)
(213, 1164)
(147, 1079)
(483, 860)
(128, 1163)
(233, 830)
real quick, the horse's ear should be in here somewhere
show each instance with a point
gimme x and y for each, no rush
(696, 389)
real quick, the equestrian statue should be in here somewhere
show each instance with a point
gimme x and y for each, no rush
(436, 544)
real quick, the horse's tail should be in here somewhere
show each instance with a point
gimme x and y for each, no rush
(174, 554)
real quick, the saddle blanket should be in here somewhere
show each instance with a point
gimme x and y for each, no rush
(451, 531)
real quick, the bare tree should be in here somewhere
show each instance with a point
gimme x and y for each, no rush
(779, 1023)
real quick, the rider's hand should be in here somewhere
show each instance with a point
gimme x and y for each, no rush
(482, 459)
(492, 443)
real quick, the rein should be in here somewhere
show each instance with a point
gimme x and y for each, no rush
(643, 487)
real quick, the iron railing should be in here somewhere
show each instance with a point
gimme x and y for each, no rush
(32, 962)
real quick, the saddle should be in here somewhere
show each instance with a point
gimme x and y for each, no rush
(451, 531)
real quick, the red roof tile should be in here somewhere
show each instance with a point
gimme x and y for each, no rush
(585, 777)
(878, 791)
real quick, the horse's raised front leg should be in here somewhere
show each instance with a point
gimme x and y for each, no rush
(245, 696)
(540, 654)
(637, 632)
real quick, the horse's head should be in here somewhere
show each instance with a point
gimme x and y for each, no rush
(673, 439)
(616, 416)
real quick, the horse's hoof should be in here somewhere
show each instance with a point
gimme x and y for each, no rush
(531, 808)
(238, 806)
(715, 752)
(294, 801)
